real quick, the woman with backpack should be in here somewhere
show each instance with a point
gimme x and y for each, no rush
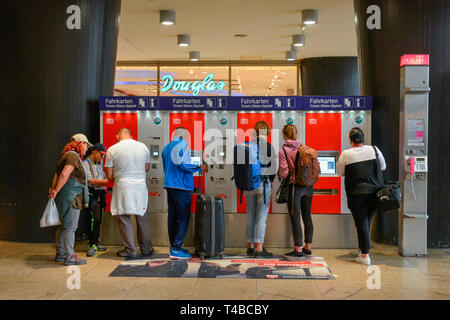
(300, 197)
(258, 200)
(359, 165)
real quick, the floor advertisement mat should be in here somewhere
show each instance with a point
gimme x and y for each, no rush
(232, 266)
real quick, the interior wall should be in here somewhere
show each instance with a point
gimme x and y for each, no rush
(51, 79)
(409, 27)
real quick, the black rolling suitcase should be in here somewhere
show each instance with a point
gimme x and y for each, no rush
(209, 237)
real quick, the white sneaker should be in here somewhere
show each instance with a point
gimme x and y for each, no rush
(362, 260)
(357, 254)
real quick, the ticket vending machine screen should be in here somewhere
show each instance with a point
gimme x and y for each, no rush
(196, 160)
(327, 165)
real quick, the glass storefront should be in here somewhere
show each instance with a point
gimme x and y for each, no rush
(136, 81)
(265, 81)
(226, 80)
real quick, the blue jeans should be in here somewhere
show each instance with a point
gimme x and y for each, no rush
(179, 214)
(257, 212)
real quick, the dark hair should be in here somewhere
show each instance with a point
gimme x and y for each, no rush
(356, 135)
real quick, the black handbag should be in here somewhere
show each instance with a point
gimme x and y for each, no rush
(282, 194)
(389, 197)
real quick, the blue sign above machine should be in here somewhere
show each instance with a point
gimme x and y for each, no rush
(237, 103)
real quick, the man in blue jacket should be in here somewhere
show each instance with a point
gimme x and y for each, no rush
(179, 183)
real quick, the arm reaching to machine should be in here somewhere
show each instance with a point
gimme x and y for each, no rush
(185, 161)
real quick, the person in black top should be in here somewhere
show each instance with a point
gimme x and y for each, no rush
(360, 168)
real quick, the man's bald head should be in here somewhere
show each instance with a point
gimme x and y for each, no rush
(123, 134)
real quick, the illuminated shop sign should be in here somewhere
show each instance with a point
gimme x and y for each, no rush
(183, 86)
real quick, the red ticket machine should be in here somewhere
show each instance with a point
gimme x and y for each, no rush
(323, 133)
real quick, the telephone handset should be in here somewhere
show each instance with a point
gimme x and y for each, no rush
(412, 162)
(416, 164)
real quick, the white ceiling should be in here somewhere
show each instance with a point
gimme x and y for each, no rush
(212, 24)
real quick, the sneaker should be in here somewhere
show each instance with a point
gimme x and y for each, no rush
(179, 254)
(74, 260)
(185, 250)
(362, 260)
(250, 252)
(60, 257)
(93, 250)
(124, 254)
(357, 253)
(263, 253)
(101, 248)
(306, 252)
(295, 254)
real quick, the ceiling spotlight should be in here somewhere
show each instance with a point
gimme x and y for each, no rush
(294, 48)
(167, 17)
(291, 56)
(194, 55)
(184, 40)
(310, 16)
(298, 40)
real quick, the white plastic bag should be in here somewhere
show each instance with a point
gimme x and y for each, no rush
(50, 217)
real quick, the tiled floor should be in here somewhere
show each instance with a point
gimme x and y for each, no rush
(27, 271)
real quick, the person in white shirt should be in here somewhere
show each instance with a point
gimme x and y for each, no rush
(127, 164)
(360, 166)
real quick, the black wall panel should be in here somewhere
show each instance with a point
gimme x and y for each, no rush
(409, 27)
(332, 76)
(50, 81)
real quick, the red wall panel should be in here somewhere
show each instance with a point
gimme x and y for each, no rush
(112, 122)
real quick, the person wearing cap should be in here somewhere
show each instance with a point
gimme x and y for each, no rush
(70, 191)
(97, 182)
(81, 137)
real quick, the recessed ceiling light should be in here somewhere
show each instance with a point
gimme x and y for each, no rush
(298, 40)
(310, 16)
(290, 56)
(194, 55)
(184, 40)
(167, 17)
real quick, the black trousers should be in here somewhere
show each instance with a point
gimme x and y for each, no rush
(363, 208)
(299, 202)
(91, 218)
